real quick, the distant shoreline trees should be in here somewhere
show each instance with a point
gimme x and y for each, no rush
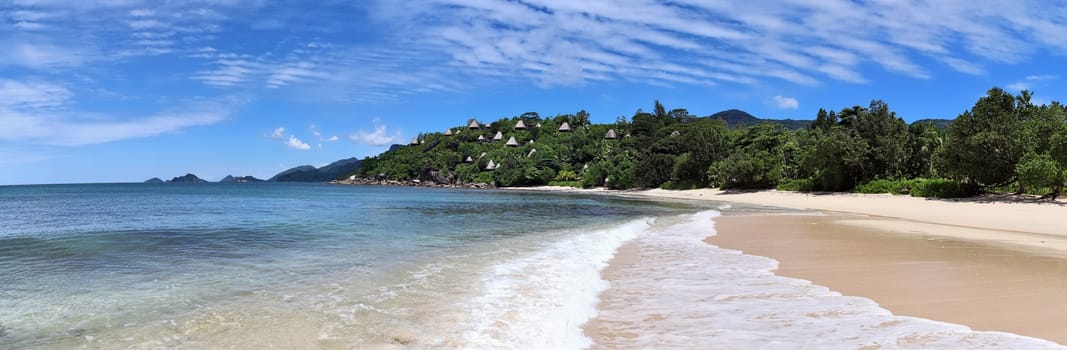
(1002, 143)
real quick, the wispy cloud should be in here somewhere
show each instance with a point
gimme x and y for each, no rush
(278, 133)
(786, 102)
(379, 137)
(426, 46)
(69, 129)
(32, 94)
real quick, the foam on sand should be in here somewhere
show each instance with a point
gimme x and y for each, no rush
(541, 299)
(679, 292)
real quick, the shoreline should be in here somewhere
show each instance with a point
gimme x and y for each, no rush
(985, 287)
(1017, 234)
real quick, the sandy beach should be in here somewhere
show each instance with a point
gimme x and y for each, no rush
(989, 265)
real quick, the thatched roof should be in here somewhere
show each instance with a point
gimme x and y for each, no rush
(469, 160)
(474, 124)
(499, 136)
(490, 166)
(448, 132)
(610, 134)
(481, 138)
(675, 133)
(538, 125)
(520, 125)
(512, 142)
(565, 127)
(414, 141)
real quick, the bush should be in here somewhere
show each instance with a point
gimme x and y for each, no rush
(682, 185)
(802, 185)
(1040, 173)
(577, 184)
(942, 188)
(885, 186)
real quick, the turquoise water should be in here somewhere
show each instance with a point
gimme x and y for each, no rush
(290, 265)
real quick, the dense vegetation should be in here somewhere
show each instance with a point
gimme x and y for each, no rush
(1003, 142)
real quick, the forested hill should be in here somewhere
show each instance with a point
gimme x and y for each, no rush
(1004, 140)
(736, 118)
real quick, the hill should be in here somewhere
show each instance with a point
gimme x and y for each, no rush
(941, 124)
(187, 178)
(154, 180)
(231, 178)
(307, 173)
(737, 119)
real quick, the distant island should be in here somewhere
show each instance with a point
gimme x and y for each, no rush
(154, 180)
(187, 178)
(241, 179)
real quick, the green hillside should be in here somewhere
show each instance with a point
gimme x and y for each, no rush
(1002, 141)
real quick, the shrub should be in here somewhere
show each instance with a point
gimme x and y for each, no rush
(942, 188)
(802, 185)
(577, 184)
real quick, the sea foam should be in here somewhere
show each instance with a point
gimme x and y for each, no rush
(683, 294)
(540, 300)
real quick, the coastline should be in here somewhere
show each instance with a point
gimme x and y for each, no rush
(986, 277)
(985, 287)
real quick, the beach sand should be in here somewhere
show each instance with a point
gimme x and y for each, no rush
(987, 264)
(986, 287)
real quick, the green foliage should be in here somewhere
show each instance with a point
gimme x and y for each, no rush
(576, 184)
(682, 185)
(884, 186)
(941, 188)
(862, 149)
(1040, 173)
(984, 144)
(566, 175)
(802, 185)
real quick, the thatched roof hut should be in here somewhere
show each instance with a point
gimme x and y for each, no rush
(512, 142)
(520, 125)
(538, 125)
(448, 132)
(610, 135)
(468, 160)
(499, 136)
(414, 141)
(490, 166)
(481, 138)
(565, 127)
(474, 125)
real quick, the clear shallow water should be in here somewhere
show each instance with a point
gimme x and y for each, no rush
(304, 266)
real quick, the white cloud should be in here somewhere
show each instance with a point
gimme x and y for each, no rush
(278, 133)
(33, 95)
(379, 137)
(295, 143)
(786, 102)
(331, 138)
(1041, 77)
(65, 129)
(1018, 86)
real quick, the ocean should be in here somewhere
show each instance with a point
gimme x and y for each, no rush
(303, 265)
(315, 266)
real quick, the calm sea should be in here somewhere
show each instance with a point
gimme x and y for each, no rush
(302, 265)
(309, 266)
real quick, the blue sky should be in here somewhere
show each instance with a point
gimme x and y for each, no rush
(124, 90)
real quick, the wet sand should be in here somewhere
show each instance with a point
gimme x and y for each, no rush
(909, 269)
